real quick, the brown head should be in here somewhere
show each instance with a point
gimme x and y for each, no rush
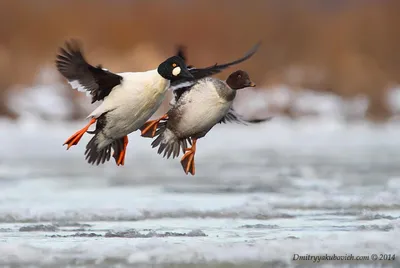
(239, 79)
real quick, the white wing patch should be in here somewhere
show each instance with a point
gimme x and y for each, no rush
(76, 85)
(181, 85)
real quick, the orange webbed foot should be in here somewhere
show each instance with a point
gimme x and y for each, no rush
(121, 158)
(148, 130)
(187, 160)
(76, 137)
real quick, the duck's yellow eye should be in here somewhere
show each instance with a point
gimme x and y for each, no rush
(174, 65)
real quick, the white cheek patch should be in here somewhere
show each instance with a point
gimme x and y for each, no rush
(176, 71)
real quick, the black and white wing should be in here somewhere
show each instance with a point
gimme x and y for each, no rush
(96, 81)
(233, 117)
(199, 73)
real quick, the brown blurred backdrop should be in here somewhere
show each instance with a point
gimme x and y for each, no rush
(348, 47)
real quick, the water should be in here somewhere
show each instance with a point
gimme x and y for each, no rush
(261, 195)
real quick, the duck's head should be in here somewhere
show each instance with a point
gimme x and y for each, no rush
(174, 68)
(239, 79)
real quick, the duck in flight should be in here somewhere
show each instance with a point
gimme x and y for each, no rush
(128, 99)
(194, 111)
(149, 128)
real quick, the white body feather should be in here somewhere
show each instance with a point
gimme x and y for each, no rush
(130, 104)
(201, 108)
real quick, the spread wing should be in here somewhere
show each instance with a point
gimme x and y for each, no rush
(96, 81)
(199, 73)
(233, 117)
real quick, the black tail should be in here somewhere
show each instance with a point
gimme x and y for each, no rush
(168, 142)
(96, 156)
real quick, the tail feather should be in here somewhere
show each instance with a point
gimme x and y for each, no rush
(97, 156)
(94, 155)
(167, 142)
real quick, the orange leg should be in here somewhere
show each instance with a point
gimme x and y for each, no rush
(150, 127)
(74, 139)
(121, 158)
(187, 160)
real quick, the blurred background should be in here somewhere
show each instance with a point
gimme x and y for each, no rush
(344, 50)
(322, 177)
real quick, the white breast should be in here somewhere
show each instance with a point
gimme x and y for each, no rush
(203, 108)
(134, 101)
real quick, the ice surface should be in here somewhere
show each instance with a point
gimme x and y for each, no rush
(317, 185)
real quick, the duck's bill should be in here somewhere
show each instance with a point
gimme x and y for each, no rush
(186, 74)
(251, 84)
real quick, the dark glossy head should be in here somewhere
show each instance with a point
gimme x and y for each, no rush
(239, 79)
(174, 68)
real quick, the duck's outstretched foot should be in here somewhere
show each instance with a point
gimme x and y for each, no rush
(74, 139)
(187, 160)
(148, 130)
(119, 148)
